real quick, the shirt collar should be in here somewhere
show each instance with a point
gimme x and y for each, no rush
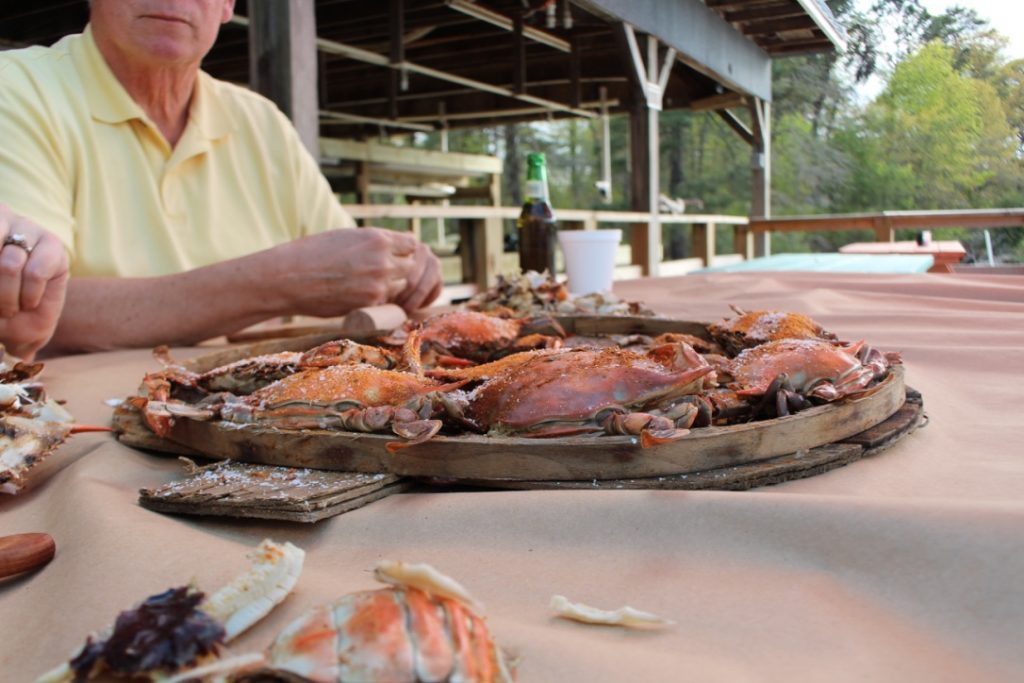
(110, 102)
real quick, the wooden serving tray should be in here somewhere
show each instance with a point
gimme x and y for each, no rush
(502, 461)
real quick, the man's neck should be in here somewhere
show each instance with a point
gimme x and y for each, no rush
(163, 93)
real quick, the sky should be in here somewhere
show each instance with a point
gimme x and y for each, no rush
(1006, 16)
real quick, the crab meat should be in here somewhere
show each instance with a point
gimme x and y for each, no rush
(580, 391)
(626, 616)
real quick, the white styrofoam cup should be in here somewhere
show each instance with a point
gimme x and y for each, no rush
(589, 258)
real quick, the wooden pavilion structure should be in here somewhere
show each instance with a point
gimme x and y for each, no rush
(350, 69)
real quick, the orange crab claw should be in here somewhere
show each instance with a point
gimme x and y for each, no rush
(82, 429)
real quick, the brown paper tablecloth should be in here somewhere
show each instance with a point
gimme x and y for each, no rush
(904, 567)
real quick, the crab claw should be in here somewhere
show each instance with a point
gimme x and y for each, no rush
(414, 432)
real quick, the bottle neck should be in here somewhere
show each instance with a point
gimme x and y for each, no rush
(537, 183)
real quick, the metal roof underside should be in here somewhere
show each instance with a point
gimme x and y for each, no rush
(465, 65)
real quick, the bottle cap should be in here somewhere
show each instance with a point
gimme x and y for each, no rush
(535, 158)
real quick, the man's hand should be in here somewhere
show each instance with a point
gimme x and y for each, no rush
(33, 282)
(334, 272)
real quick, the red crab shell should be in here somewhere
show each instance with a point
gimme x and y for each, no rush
(813, 368)
(352, 397)
(592, 390)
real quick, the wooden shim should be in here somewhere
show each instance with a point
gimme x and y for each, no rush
(288, 493)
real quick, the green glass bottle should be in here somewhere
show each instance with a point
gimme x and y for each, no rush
(536, 224)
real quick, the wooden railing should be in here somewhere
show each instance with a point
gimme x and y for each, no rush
(481, 229)
(886, 223)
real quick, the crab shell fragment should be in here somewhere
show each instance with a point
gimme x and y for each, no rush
(417, 629)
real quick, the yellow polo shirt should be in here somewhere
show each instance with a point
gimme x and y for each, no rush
(80, 157)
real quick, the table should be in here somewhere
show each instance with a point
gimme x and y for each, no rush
(945, 252)
(828, 262)
(903, 567)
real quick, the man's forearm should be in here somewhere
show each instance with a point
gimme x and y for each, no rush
(180, 309)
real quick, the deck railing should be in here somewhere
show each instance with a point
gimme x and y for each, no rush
(481, 230)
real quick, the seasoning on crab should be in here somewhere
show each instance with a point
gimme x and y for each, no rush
(749, 329)
(579, 391)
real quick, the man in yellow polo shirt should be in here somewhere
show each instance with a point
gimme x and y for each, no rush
(188, 206)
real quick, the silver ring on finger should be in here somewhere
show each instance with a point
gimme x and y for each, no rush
(16, 239)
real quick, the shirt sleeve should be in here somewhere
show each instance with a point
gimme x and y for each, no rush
(320, 208)
(35, 180)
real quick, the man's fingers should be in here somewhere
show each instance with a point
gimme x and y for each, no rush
(12, 263)
(427, 286)
(396, 286)
(47, 262)
(402, 244)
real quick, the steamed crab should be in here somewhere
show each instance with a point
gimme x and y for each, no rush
(167, 390)
(787, 375)
(354, 397)
(581, 391)
(751, 328)
(468, 337)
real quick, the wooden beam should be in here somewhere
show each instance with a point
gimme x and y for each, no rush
(759, 28)
(703, 39)
(396, 21)
(737, 125)
(715, 102)
(283, 61)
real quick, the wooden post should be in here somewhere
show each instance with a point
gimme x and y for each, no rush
(283, 62)
(761, 170)
(883, 230)
(743, 241)
(481, 249)
(488, 251)
(703, 241)
(648, 88)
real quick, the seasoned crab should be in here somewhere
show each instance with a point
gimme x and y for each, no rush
(749, 329)
(787, 375)
(579, 391)
(467, 337)
(349, 397)
(164, 392)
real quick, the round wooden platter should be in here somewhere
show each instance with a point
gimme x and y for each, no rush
(535, 463)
